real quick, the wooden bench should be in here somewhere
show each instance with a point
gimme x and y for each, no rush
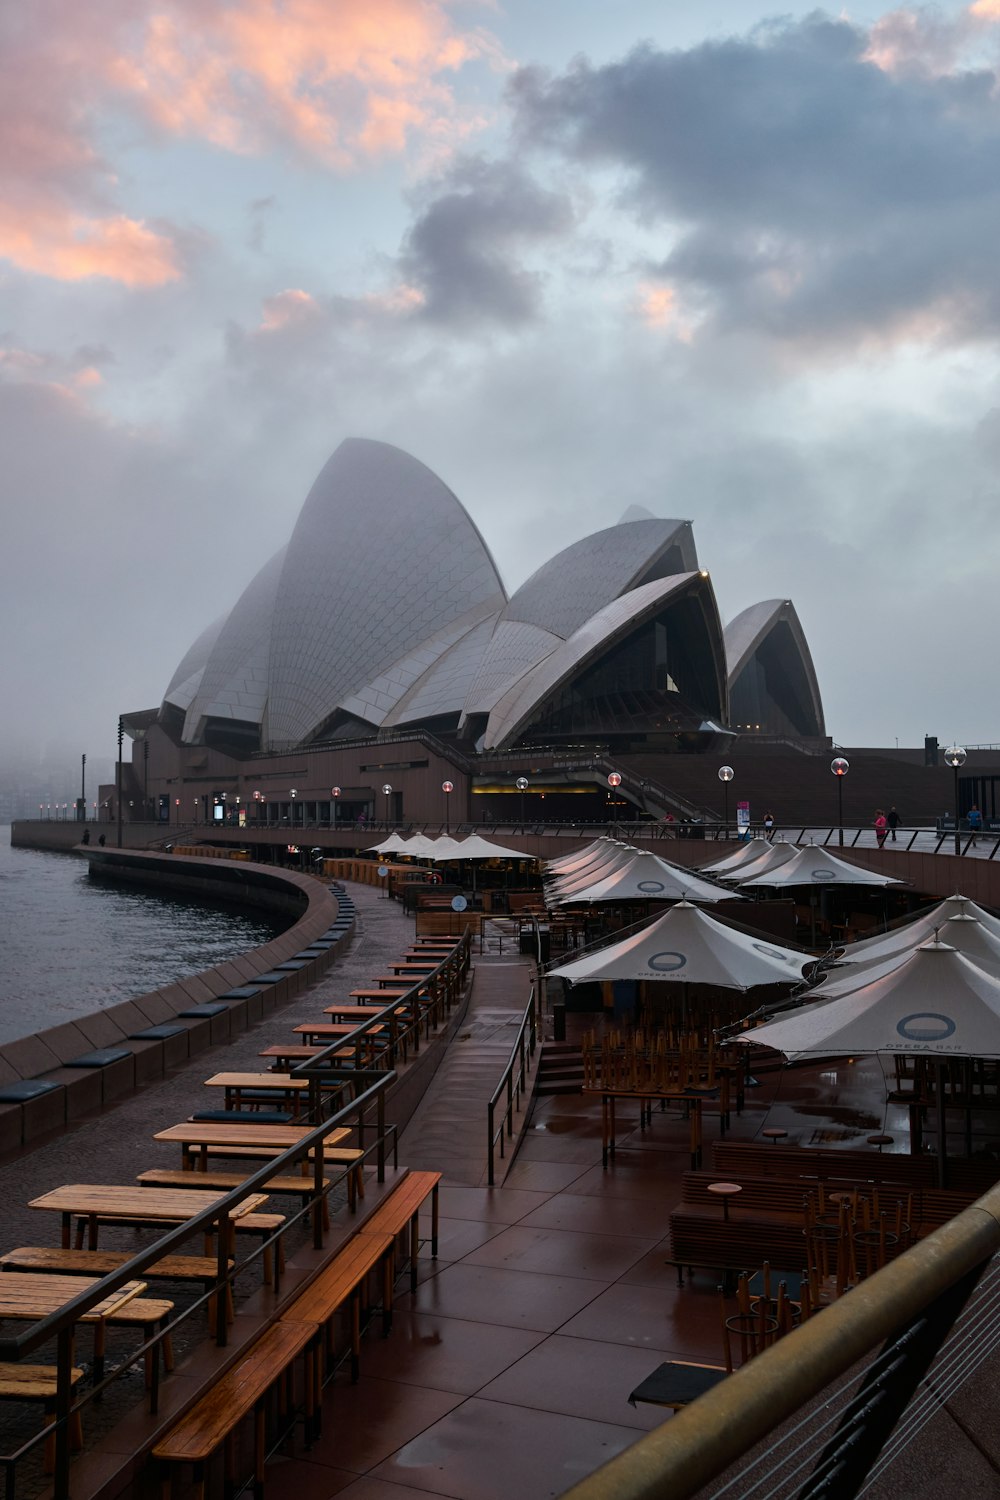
(266, 1225)
(738, 1158)
(201, 1268)
(400, 1212)
(39, 1383)
(241, 1392)
(340, 1283)
(293, 1187)
(349, 1157)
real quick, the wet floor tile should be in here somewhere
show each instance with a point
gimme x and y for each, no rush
(491, 1205)
(632, 1217)
(448, 1354)
(364, 1423)
(486, 1450)
(578, 1378)
(603, 1257)
(510, 1299)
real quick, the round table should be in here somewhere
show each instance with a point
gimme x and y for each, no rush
(725, 1191)
(773, 1134)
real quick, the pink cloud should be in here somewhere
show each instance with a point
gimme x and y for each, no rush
(340, 82)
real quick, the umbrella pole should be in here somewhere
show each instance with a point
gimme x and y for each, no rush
(942, 1125)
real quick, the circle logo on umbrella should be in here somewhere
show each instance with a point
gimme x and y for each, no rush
(650, 885)
(824, 874)
(772, 953)
(925, 1026)
(665, 963)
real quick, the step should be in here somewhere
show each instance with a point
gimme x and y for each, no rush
(559, 1086)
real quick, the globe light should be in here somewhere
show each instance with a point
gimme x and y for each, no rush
(726, 773)
(840, 766)
(387, 790)
(447, 786)
(521, 783)
(955, 757)
(335, 791)
(614, 779)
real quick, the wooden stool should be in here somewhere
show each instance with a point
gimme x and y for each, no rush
(773, 1134)
(880, 1141)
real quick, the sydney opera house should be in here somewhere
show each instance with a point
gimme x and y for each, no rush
(384, 623)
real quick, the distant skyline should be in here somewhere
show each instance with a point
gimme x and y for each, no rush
(732, 265)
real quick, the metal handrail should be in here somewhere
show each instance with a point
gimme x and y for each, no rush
(59, 1325)
(713, 1433)
(521, 1053)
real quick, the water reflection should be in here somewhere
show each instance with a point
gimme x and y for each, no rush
(69, 946)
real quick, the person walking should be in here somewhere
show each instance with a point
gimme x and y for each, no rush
(881, 826)
(769, 826)
(975, 822)
(892, 818)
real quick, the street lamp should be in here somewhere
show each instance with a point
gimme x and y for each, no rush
(840, 768)
(726, 774)
(293, 794)
(956, 757)
(447, 787)
(118, 788)
(387, 793)
(334, 793)
(522, 785)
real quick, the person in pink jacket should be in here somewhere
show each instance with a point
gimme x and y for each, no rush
(881, 826)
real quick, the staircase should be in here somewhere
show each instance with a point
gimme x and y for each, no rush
(560, 1069)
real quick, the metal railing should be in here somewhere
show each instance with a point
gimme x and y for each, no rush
(913, 1307)
(512, 1086)
(370, 1091)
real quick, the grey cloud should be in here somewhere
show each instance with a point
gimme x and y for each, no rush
(807, 192)
(463, 250)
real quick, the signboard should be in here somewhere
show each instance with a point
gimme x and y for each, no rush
(383, 871)
(742, 819)
(458, 903)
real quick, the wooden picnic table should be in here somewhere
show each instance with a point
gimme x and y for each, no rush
(381, 994)
(197, 1137)
(94, 1201)
(28, 1296)
(236, 1085)
(364, 1043)
(356, 1013)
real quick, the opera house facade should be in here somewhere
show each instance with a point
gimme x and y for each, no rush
(384, 621)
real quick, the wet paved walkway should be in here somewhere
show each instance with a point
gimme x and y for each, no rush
(507, 1371)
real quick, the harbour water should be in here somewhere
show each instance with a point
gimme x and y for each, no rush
(69, 946)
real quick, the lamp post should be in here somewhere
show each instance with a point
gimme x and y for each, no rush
(447, 787)
(293, 794)
(387, 793)
(118, 798)
(522, 785)
(726, 774)
(840, 768)
(955, 757)
(334, 793)
(83, 788)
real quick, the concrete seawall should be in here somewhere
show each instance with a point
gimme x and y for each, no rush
(54, 1077)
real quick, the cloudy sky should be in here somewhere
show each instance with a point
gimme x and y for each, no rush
(736, 267)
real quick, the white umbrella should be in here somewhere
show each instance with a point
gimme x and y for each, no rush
(964, 934)
(597, 869)
(475, 847)
(392, 845)
(744, 855)
(687, 946)
(937, 1003)
(814, 866)
(568, 862)
(644, 877)
(936, 1000)
(917, 931)
(773, 858)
